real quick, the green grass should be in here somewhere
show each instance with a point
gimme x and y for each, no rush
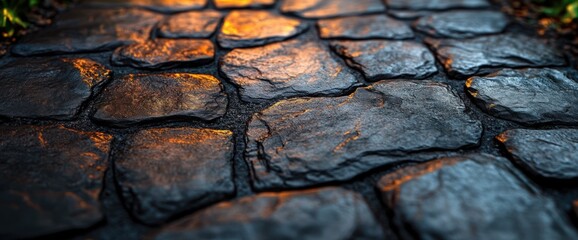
(12, 15)
(565, 10)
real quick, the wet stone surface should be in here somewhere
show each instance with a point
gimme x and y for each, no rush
(307, 141)
(243, 3)
(436, 4)
(382, 59)
(325, 213)
(466, 57)
(364, 27)
(330, 8)
(456, 198)
(529, 96)
(462, 24)
(51, 88)
(247, 28)
(165, 53)
(50, 179)
(164, 172)
(145, 97)
(198, 24)
(298, 67)
(165, 6)
(545, 153)
(87, 30)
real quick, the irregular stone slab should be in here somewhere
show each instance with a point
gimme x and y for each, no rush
(165, 6)
(48, 88)
(408, 14)
(462, 24)
(306, 141)
(528, 96)
(382, 59)
(163, 172)
(330, 8)
(287, 69)
(243, 3)
(87, 30)
(325, 213)
(190, 25)
(364, 27)
(466, 57)
(436, 4)
(145, 97)
(165, 53)
(50, 180)
(545, 153)
(246, 28)
(470, 197)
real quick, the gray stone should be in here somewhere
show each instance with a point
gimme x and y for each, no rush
(436, 4)
(530, 96)
(306, 141)
(545, 153)
(243, 3)
(198, 24)
(136, 98)
(330, 8)
(470, 197)
(50, 180)
(164, 172)
(364, 27)
(462, 24)
(48, 88)
(408, 14)
(165, 53)
(325, 213)
(292, 68)
(88, 30)
(165, 6)
(382, 59)
(466, 57)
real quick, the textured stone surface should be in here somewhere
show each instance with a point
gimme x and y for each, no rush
(50, 180)
(166, 6)
(190, 25)
(462, 24)
(291, 68)
(436, 4)
(325, 213)
(163, 172)
(364, 27)
(330, 8)
(408, 14)
(243, 3)
(246, 28)
(305, 141)
(528, 96)
(86, 30)
(144, 97)
(474, 56)
(470, 197)
(382, 59)
(545, 153)
(50, 88)
(165, 53)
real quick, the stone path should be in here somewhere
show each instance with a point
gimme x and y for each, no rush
(288, 119)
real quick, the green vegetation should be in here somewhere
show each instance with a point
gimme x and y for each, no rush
(12, 15)
(565, 10)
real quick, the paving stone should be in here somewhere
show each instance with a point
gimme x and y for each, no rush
(146, 97)
(243, 3)
(165, 6)
(544, 153)
(48, 88)
(466, 57)
(382, 59)
(165, 53)
(200, 24)
(436, 4)
(529, 96)
(330, 8)
(325, 213)
(247, 28)
(298, 67)
(364, 27)
(163, 172)
(462, 24)
(305, 141)
(50, 180)
(88, 30)
(470, 197)
(408, 14)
